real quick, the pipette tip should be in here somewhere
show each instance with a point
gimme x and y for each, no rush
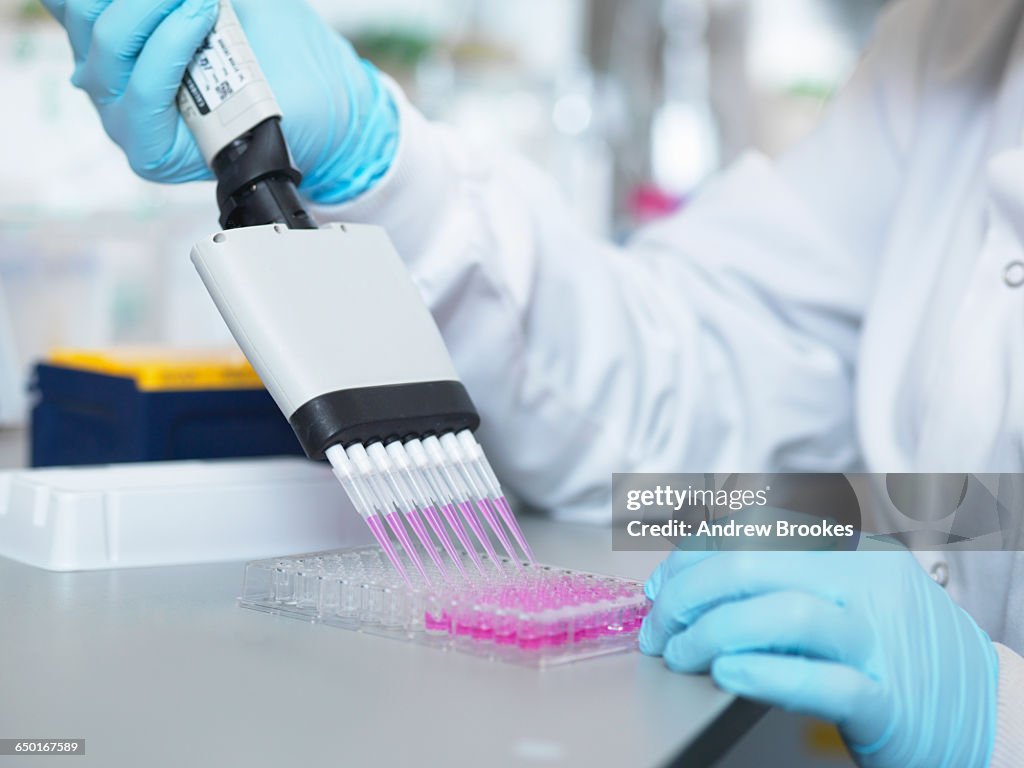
(505, 510)
(421, 533)
(395, 521)
(377, 528)
(399, 482)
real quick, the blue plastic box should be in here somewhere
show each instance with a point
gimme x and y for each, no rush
(89, 411)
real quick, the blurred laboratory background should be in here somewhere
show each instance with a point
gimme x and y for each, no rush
(630, 104)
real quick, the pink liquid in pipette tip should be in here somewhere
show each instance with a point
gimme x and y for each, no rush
(438, 527)
(513, 525)
(373, 521)
(474, 524)
(421, 533)
(460, 533)
(488, 512)
(395, 521)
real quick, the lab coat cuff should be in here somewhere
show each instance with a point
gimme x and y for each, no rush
(407, 200)
(1009, 746)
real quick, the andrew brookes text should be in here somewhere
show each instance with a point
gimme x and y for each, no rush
(771, 511)
(678, 529)
(667, 497)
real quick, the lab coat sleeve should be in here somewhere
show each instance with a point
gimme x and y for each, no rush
(720, 340)
(1009, 747)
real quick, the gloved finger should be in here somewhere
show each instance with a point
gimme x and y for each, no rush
(118, 37)
(822, 689)
(778, 622)
(152, 89)
(79, 18)
(653, 584)
(56, 9)
(670, 566)
(731, 576)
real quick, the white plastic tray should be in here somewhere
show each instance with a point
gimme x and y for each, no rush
(172, 513)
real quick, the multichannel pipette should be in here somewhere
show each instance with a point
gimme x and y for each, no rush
(333, 324)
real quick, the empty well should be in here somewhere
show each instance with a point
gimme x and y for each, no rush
(537, 615)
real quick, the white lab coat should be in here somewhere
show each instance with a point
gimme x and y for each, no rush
(857, 303)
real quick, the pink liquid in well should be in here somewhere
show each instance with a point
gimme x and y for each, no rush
(505, 637)
(527, 611)
(442, 623)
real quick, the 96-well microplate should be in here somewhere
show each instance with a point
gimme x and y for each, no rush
(536, 615)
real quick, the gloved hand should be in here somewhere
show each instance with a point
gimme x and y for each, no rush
(864, 639)
(130, 56)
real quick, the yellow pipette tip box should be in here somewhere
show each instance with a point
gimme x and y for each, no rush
(154, 369)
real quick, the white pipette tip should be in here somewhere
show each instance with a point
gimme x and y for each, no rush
(421, 476)
(352, 481)
(469, 444)
(396, 450)
(357, 453)
(347, 475)
(378, 455)
(445, 454)
(340, 463)
(471, 447)
(396, 468)
(386, 468)
(464, 463)
(440, 460)
(417, 453)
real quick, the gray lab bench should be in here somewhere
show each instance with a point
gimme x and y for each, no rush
(159, 667)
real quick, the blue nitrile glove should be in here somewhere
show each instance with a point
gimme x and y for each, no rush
(864, 639)
(130, 56)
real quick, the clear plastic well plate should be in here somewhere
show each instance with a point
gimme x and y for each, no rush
(536, 615)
